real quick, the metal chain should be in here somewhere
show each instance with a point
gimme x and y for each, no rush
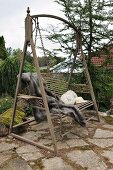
(42, 44)
(41, 39)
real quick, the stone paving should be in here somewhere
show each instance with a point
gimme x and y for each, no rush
(89, 148)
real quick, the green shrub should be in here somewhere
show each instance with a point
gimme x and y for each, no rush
(9, 69)
(6, 102)
(102, 80)
(5, 118)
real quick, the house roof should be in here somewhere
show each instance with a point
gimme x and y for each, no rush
(65, 66)
(98, 61)
(103, 55)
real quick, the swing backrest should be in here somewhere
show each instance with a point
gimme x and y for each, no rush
(57, 83)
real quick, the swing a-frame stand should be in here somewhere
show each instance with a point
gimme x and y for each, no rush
(29, 41)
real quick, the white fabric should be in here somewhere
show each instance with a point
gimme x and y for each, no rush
(69, 97)
(79, 100)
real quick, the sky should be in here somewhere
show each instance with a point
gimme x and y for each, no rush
(12, 17)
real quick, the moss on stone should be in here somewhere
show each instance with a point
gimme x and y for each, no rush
(109, 119)
(5, 117)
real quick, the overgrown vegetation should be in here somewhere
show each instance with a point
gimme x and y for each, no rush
(102, 80)
(6, 102)
(9, 69)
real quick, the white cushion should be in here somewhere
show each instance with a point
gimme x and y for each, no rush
(69, 97)
(79, 100)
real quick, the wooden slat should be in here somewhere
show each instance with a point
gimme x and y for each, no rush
(33, 100)
(84, 105)
(56, 83)
(27, 97)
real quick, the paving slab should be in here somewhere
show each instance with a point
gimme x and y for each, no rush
(55, 163)
(87, 159)
(40, 126)
(91, 125)
(5, 157)
(62, 145)
(82, 132)
(45, 142)
(100, 133)
(31, 135)
(109, 155)
(16, 164)
(66, 144)
(103, 143)
(76, 143)
(2, 139)
(27, 149)
(72, 136)
(108, 126)
(7, 146)
(73, 145)
(29, 152)
(31, 156)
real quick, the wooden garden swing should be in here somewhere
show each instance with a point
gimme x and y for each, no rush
(53, 82)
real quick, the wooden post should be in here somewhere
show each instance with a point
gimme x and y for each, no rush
(90, 84)
(29, 41)
(43, 95)
(18, 86)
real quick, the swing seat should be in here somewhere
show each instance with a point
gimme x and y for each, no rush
(57, 84)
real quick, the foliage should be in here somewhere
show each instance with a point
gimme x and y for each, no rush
(102, 81)
(9, 69)
(5, 103)
(93, 18)
(29, 67)
(5, 117)
(50, 60)
(3, 51)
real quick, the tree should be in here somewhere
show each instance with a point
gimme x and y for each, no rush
(3, 51)
(94, 19)
(9, 69)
